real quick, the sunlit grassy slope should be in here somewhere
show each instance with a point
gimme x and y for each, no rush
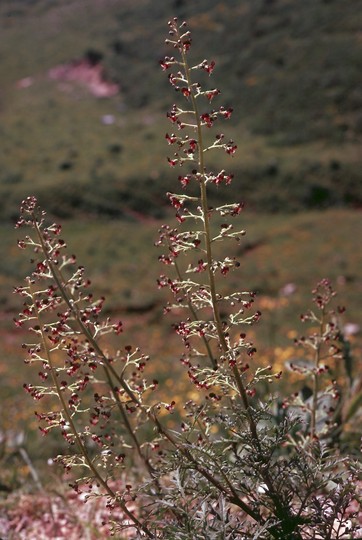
(121, 261)
(290, 69)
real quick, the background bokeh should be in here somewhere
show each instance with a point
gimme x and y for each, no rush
(83, 115)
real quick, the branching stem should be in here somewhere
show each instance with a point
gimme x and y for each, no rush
(79, 442)
(107, 367)
(317, 359)
(280, 509)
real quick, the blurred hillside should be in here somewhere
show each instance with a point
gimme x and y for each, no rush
(291, 70)
(83, 106)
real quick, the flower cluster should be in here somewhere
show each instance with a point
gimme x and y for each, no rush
(201, 297)
(235, 463)
(96, 390)
(323, 357)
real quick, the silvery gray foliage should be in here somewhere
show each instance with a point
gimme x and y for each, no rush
(241, 464)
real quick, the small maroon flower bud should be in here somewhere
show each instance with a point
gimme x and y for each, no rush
(184, 180)
(170, 406)
(179, 217)
(172, 162)
(237, 209)
(175, 201)
(186, 44)
(166, 63)
(226, 113)
(207, 119)
(210, 94)
(209, 68)
(186, 92)
(231, 148)
(173, 114)
(257, 316)
(171, 139)
(118, 328)
(192, 145)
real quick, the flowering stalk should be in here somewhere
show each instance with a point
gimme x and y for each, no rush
(193, 150)
(323, 346)
(232, 469)
(42, 302)
(80, 345)
(69, 422)
(182, 81)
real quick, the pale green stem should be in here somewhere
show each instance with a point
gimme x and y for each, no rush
(195, 317)
(211, 277)
(317, 358)
(208, 249)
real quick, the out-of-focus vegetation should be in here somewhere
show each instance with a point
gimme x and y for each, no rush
(281, 258)
(292, 72)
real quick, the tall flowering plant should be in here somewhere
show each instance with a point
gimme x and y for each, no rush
(211, 332)
(233, 468)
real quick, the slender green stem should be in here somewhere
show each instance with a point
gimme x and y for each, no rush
(208, 248)
(195, 317)
(317, 358)
(211, 277)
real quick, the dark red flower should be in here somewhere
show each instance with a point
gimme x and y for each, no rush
(210, 94)
(207, 119)
(226, 113)
(166, 63)
(171, 139)
(209, 68)
(172, 162)
(231, 148)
